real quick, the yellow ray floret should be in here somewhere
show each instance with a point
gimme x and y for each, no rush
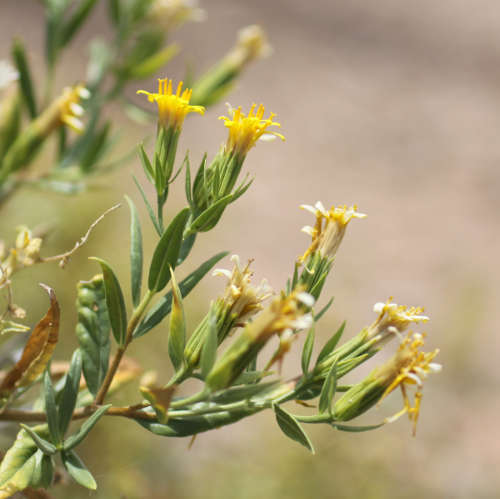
(172, 108)
(244, 131)
(69, 107)
(329, 229)
(410, 367)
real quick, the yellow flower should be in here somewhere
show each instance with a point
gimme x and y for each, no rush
(242, 298)
(409, 367)
(172, 108)
(328, 232)
(394, 319)
(70, 109)
(244, 131)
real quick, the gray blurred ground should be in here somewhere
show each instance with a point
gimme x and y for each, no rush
(395, 106)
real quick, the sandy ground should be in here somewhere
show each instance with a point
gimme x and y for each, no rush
(394, 106)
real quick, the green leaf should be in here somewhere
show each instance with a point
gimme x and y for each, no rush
(70, 28)
(93, 330)
(210, 216)
(187, 184)
(291, 428)
(331, 344)
(17, 468)
(320, 314)
(209, 350)
(167, 252)
(70, 392)
(114, 301)
(153, 63)
(355, 429)
(77, 470)
(51, 408)
(177, 330)
(244, 392)
(328, 390)
(307, 350)
(162, 308)
(186, 247)
(135, 252)
(148, 207)
(146, 164)
(25, 82)
(46, 466)
(72, 441)
(44, 445)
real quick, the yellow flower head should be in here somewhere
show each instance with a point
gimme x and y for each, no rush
(244, 131)
(394, 319)
(172, 108)
(328, 232)
(244, 299)
(409, 367)
(70, 110)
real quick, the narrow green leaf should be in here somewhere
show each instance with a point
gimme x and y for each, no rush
(135, 252)
(162, 308)
(295, 275)
(167, 252)
(331, 343)
(148, 207)
(146, 164)
(209, 350)
(70, 392)
(51, 408)
(187, 184)
(307, 350)
(153, 63)
(320, 314)
(187, 245)
(355, 429)
(92, 331)
(244, 392)
(291, 428)
(74, 23)
(177, 330)
(328, 390)
(44, 445)
(77, 470)
(114, 301)
(25, 82)
(210, 216)
(72, 441)
(46, 466)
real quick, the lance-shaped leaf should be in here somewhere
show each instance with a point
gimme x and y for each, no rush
(162, 308)
(177, 330)
(160, 399)
(291, 428)
(328, 390)
(167, 252)
(17, 469)
(77, 18)
(135, 252)
(209, 218)
(51, 408)
(38, 349)
(331, 343)
(355, 429)
(320, 314)
(70, 392)
(93, 330)
(72, 441)
(114, 301)
(307, 350)
(148, 206)
(77, 470)
(44, 445)
(19, 56)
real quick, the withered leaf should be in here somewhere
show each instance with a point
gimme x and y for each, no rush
(160, 399)
(37, 351)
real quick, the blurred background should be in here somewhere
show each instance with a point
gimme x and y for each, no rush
(394, 106)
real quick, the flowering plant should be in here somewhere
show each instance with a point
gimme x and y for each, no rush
(245, 378)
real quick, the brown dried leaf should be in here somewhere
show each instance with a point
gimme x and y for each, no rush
(160, 399)
(38, 349)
